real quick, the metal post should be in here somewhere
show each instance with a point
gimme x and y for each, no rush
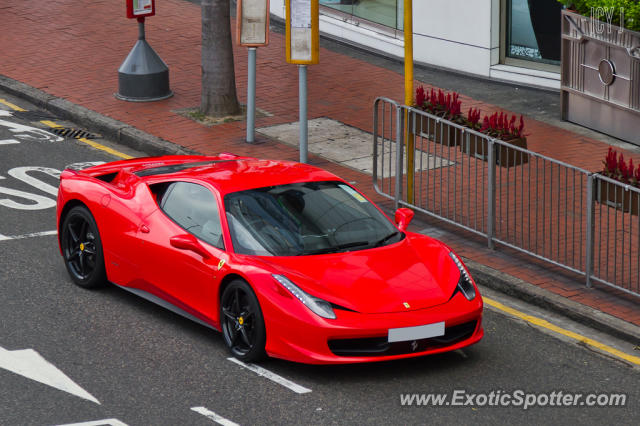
(399, 150)
(141, 28)
(251, 96)
(302, 92)
(590, 228)
(408, 94)
(491, 193)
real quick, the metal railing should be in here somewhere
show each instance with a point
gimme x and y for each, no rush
(553, 211)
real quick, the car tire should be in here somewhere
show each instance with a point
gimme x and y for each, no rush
(241, 322)
(82, 248)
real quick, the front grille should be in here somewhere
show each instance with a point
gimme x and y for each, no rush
(379, 346)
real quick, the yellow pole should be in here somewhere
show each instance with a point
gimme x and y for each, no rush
(408, 94)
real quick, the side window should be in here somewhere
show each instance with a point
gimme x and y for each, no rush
(194, 208)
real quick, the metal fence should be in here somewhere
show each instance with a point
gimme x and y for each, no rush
(556, 212)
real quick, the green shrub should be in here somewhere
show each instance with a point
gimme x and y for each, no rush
(631, 10)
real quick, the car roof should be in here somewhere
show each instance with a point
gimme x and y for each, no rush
(226, 172)
(242, 174)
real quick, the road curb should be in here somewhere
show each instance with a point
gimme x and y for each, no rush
(108, 127)
(520, 289)
(484, 275)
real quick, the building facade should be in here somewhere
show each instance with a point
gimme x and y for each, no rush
(510, 40)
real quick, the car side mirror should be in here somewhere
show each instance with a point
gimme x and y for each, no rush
(189, 242)
(403, 217)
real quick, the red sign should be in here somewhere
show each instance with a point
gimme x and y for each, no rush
(140, 8)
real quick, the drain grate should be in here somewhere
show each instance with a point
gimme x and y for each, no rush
(70, 132)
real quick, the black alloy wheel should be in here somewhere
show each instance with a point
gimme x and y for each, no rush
(82, 248)
(242, 322)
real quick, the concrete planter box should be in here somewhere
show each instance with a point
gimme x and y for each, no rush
(600, 81)
(618, 197)
(478, 147)
(439, 131)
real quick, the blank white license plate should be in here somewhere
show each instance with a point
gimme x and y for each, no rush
(415, 333)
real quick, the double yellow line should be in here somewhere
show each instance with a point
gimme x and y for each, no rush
(567, 333)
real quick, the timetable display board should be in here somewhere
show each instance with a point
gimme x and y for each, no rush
(252, 23)
(302, 32)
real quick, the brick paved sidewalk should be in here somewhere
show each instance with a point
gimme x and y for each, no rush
(73, 52)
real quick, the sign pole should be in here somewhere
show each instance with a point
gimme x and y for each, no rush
(252, 31)
(302, 48)
(302, 93)
(251, 95)
(408, 96)
(143, 76)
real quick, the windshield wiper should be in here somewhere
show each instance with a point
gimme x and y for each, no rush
(381, 241)
(337, 248)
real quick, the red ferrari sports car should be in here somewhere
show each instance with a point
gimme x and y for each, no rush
(283, 258)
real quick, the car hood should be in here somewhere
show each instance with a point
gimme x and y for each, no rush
(415, 273)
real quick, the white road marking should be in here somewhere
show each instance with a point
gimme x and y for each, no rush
(22, 174)
(111, 422)
(28, 133)
(23, 236)
(32, 365)
(8, 141)
(83, 165)
(272, 376)
(40, 201)
(213, 416)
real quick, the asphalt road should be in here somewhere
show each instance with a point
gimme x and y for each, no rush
(148, 366)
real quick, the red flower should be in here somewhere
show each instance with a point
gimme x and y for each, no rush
(611, 163)
(616, 168)
(473, 118)
(421, 97)
(499, 125)
(622, 168)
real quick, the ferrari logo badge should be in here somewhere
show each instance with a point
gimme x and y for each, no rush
(406, 305)
(81, 247)
(414, 345)
(220, 264)
(240, 320)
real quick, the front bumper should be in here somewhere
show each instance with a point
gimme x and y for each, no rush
(296, 334)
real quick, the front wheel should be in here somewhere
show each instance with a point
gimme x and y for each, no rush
(82, 248)
(242, 322)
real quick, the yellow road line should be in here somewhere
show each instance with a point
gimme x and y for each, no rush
(546, 324)
(105, 148)
(89, 142)
(50, 123)
(10, 105)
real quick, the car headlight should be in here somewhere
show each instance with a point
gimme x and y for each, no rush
(316, 305)
(465, 284)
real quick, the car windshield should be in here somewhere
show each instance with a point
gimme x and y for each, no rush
(304, 219)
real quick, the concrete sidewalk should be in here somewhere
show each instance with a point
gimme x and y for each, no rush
(67, 57)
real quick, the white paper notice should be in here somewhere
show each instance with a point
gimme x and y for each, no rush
(141, 7)
(301, 44)
(301, 13)
(254, 22)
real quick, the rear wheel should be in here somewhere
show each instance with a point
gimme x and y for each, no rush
(242, 322)
(82, 248)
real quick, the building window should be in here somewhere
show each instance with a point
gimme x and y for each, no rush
(533, 31)
(388, 13)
